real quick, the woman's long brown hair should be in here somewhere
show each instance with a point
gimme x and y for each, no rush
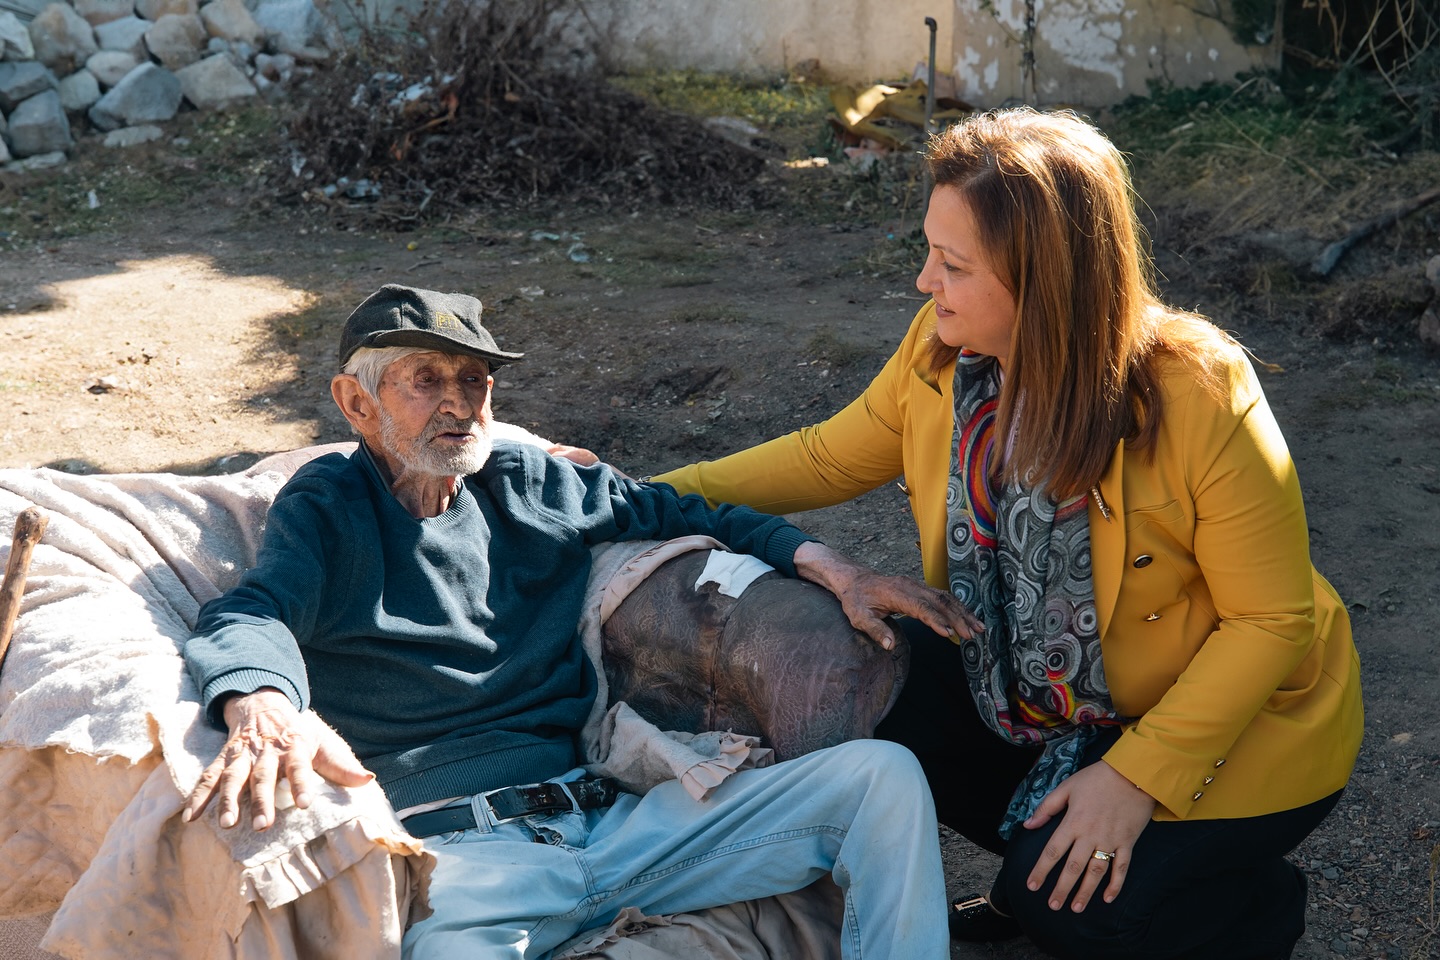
(1055, 208)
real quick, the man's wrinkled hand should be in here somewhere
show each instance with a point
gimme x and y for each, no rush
(576, 455)
(270, 740)
(868, 596)
(581, 457)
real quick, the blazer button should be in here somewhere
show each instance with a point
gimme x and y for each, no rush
(1198, 795)
(1153, 616)
(1220, 762)
(1209, 780)
(1144, 560)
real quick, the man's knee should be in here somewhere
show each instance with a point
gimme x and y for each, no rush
(882, 762)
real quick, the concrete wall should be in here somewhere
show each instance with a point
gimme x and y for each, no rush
(1094, 52)
(857, 40)
(1088, 52)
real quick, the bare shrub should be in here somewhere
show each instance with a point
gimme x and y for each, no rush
(499, 104)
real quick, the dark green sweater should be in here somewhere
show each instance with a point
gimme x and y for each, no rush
(444, 650)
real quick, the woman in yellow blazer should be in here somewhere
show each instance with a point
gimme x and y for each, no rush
(1166, 697)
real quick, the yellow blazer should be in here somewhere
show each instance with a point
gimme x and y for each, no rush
(1234, 654)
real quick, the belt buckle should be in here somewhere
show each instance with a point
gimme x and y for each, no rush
(513, 803)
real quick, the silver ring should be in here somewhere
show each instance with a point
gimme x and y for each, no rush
(1102, 855)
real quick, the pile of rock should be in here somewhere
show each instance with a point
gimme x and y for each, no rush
(121, 66)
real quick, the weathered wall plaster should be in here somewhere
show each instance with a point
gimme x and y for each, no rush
(1093, 52)
(1087, 52)
(858, 40)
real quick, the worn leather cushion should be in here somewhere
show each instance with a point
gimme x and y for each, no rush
(781, 661)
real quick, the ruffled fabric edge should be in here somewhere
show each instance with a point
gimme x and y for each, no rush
(306, 867)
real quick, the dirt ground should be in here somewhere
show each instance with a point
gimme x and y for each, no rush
(201, 337)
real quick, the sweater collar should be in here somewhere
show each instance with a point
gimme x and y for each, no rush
(461, 504)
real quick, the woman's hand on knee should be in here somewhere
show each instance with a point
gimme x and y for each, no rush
(1102, 815)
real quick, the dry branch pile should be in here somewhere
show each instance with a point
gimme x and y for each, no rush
(490, 105)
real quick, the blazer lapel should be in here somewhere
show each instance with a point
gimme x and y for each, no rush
(1107, 538)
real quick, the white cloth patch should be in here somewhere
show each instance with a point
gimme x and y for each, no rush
(732, 572)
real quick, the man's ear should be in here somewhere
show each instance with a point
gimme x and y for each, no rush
(358, 406)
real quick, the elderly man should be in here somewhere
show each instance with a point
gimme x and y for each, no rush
(423, 595)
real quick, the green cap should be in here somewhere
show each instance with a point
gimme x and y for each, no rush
(396, 316)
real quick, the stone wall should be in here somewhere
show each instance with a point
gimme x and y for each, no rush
(122, 66)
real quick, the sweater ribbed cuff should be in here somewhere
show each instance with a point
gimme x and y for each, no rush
(243, 682)
(781, 545)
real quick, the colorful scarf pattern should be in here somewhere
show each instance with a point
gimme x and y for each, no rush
(1021, 562)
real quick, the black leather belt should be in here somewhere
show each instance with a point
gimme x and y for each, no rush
(512, 803)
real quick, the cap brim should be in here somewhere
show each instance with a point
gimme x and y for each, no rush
(436, 341)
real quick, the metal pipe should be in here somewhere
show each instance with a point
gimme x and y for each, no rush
(930, 79)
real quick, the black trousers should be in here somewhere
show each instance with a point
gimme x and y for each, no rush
(1196, 889)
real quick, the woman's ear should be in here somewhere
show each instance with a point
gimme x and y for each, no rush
(358, 406)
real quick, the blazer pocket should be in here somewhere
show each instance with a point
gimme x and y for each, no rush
(1163, 513)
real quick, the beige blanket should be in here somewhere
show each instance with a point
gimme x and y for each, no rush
(101, 738)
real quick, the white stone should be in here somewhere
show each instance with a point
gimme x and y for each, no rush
(39, 162)
(155, 9)
(78, 91)
(126, 35)
(21, 81)
(39, 126)
(293, 24)
(132, 136)
(176, 40)
(63, 39)
(214, 82)
(97, 12)
(4, 151)
(230, 20)
(147, 94)
(275, 67)
(1429, 329)
(14, 38)
(307, 54)
(111, 66)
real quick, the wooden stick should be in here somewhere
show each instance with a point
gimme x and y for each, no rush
(1331, 255)
(29, 528)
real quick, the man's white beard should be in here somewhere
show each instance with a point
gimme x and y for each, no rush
(419, 457)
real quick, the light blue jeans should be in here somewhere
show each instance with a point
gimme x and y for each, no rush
(860, 812)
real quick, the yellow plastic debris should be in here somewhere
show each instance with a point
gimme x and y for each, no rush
(859, 111)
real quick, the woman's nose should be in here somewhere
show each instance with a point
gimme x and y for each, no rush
(925, 280)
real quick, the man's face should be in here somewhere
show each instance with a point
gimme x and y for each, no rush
(435, 414)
